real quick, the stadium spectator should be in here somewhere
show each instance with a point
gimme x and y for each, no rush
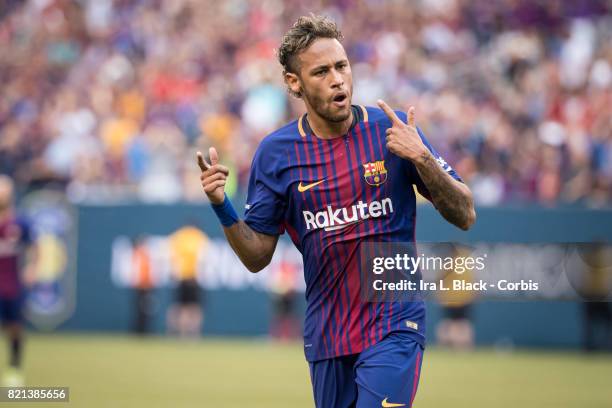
(112, 97)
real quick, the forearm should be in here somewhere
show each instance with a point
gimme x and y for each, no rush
(451, 198)
(254, 249)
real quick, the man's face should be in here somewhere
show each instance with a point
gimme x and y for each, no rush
(324, 79)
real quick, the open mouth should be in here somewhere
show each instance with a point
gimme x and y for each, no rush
(340, 98)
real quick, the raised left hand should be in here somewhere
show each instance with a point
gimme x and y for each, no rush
(403, 139)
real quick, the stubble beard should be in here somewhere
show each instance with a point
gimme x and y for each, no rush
(317, 104)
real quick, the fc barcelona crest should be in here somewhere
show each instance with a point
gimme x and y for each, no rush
(375, 173)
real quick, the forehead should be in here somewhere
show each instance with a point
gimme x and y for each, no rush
(323, 51)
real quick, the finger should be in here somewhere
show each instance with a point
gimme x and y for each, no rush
(389, 112)
(411, 116)
(213, 155)
(217, 168)
(213, 178)
(213, 186)
(203, 165)
(392, 147)
(221, 168)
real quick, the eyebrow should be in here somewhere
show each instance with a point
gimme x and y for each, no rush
(318, 67)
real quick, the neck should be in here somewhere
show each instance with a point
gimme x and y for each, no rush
(325, 129)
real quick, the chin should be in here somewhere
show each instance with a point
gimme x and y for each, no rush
(340, 116)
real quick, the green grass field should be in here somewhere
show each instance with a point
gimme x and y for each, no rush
(106, 371)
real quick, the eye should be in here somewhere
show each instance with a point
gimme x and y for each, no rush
(321, 72)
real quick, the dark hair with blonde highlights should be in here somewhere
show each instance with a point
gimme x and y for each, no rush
(299, 37)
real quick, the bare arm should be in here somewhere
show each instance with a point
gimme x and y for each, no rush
(254, 249)
(451, 198)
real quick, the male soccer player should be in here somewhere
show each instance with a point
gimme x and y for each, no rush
(15, 240)
(338, 176)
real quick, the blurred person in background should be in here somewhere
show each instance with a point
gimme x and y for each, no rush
(186, 315)
(18, 259)
(595, 288)
(143, 285)
(285, 322)
(456, 330)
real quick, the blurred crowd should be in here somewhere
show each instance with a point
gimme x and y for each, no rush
(110, 99)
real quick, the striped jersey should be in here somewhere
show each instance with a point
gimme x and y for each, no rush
(330, 196)
(15, 236)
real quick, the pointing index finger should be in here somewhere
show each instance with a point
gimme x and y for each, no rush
(411, 116)
(389, 112)
(203, 165)
(213, 156)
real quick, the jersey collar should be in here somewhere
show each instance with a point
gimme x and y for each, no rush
(360, 114)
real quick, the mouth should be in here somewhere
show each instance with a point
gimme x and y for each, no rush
(340, 99)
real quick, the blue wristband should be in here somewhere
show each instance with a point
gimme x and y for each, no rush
(225, 212)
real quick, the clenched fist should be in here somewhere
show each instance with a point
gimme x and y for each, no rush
(214, 176)
(403, 139)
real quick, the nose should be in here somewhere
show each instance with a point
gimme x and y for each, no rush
(336, 78)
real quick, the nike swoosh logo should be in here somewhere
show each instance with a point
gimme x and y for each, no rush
(302, 188)
(386, 404)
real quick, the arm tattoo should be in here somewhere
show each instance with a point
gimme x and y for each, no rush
(450, 198)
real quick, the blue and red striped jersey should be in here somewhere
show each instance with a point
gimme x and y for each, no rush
(331, 195)
(15, 236)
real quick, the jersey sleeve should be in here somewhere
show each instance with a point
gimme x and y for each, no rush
(265, 205)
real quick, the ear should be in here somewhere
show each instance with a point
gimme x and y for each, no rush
(294, 85)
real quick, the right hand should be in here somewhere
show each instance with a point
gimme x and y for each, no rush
(214, 176)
